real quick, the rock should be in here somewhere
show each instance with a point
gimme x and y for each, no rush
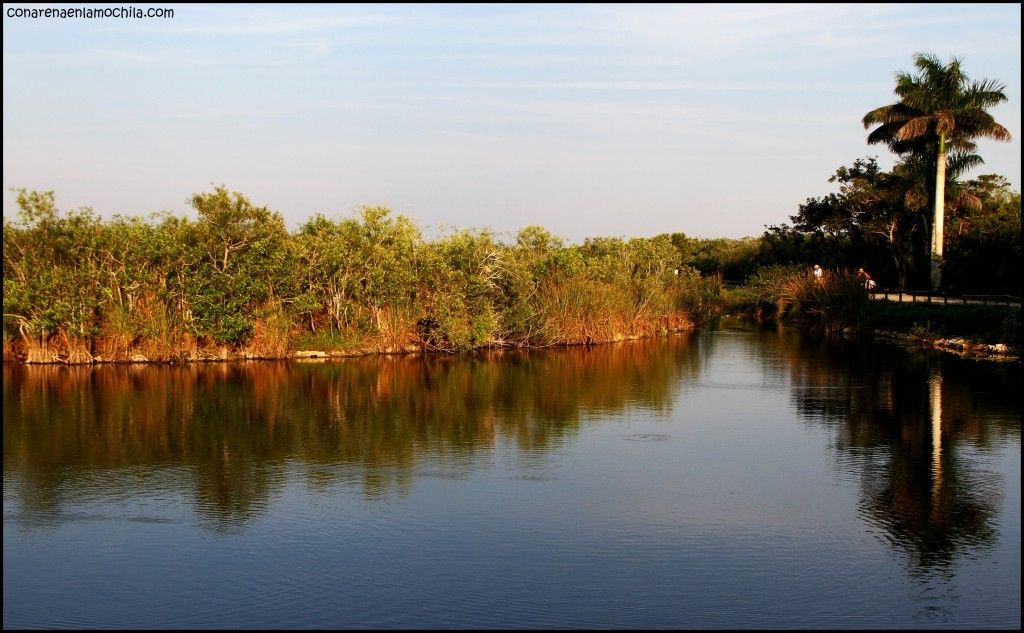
(138, 358)
(309, 353)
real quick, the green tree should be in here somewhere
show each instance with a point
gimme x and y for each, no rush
(940, 110)
(242, 264)
(984, 251)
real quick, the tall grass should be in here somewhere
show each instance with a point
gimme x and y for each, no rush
(831, 303)
(835, 301)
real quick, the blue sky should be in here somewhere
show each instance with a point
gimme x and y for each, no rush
(631, 120)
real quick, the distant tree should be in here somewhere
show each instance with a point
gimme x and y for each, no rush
(985, 245)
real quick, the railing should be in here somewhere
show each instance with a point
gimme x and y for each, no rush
(920, 296)
(923, 296)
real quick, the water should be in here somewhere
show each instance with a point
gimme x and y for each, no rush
(736, 478)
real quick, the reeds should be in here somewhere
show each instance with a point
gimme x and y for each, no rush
(832, 302)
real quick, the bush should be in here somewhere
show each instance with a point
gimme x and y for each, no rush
(791, 293)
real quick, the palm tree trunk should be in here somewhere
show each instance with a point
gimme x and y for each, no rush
(940, 205)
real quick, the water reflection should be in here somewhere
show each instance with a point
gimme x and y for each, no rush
(230, 432)
(230, 437)
(910, 426)
(730, 479)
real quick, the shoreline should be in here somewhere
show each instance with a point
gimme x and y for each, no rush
(225, 355)
(962, 347)
(965, 348)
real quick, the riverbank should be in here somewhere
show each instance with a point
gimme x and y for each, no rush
(15, 353)
(960, 346)
(839, 304)
(967, 330)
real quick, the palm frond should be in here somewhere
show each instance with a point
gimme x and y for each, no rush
(944, 122)
(987, 93)
(958, 163)
(918, 126)
(884, 133)
(878, 115)
(996, 132)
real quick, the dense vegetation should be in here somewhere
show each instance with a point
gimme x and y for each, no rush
(235, 280)
(918, 225)
(879, 220)
(838, 301)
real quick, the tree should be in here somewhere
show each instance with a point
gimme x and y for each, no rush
(984, 251)
(940, 111)
(872, 221)
(241, 264)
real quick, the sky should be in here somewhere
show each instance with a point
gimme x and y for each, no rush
(613, 120)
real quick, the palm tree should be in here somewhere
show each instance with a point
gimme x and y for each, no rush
(940, 111)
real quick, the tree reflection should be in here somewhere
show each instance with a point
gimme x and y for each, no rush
(235, 430)
(907, 425)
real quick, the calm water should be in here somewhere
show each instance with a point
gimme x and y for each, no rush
(726, 479)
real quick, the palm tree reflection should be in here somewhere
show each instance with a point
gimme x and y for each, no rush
(910, 426)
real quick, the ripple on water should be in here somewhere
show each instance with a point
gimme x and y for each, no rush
(645, 437)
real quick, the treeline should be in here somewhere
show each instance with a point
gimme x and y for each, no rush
(920, 225)
(880, 221)
(235, 281)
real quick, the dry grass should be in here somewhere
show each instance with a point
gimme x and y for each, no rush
(835, 301)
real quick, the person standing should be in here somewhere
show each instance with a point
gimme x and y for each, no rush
(818, 272)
